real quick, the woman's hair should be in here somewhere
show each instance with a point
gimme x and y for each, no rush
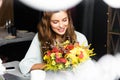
(47, 36)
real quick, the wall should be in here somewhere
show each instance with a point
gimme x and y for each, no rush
(100, 28)
(24, 17)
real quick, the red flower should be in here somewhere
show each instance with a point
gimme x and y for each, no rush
(70, 47)
(81, 54)
(57, 60)
(57, 55)
(60, 60)
(48, 53)
(55, 49)
(63, 60)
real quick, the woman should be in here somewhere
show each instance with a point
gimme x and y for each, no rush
(54, 28)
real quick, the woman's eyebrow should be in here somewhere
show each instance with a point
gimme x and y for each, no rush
(58, 20)
(65, 17)
(54, 20)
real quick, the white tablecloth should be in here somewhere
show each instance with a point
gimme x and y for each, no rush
(21, 36)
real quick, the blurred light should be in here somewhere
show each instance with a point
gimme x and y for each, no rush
(113, 3)
(51, 5)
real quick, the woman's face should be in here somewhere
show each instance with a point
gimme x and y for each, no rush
(59, 22)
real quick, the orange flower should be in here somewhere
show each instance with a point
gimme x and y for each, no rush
(81, 54)
(69, 47)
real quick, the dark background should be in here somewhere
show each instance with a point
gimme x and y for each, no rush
(89, 18)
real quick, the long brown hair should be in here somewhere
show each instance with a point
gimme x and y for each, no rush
(47, 35)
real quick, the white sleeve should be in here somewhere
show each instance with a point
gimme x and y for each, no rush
(32, 56)
(81, 38)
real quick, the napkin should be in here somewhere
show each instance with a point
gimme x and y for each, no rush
(2, 68)
(38, 75)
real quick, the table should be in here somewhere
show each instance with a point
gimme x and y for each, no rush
(14, 74)
(22, 35)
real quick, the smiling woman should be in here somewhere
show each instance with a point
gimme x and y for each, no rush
(51, 5)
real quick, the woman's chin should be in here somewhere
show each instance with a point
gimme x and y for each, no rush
(61, 33)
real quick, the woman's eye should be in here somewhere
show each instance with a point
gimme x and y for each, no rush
(55, 22)
(64, 20)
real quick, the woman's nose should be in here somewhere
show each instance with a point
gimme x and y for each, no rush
(61, 25)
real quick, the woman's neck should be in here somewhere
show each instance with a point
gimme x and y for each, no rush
(58, 38)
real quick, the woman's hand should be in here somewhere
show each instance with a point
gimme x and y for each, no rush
(38, 66)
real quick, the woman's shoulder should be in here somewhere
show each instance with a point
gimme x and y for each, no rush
(36, 39)
(78, 34)
(81, 38)
(36, 35)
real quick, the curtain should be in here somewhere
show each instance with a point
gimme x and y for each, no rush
(88, 19)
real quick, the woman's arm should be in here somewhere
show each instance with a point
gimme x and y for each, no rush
(38, 66)
(33, 58)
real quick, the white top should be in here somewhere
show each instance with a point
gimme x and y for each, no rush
(33, 55)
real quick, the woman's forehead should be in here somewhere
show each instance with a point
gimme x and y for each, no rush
(59, 15)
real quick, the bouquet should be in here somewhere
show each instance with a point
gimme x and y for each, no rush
(66, 56)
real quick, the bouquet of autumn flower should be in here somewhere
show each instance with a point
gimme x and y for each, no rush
(66, 55)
